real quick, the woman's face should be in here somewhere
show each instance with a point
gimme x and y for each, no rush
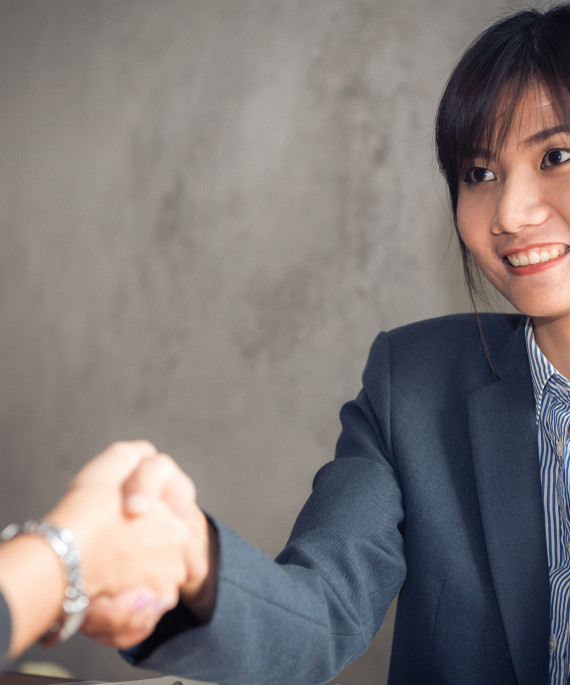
(513, 211)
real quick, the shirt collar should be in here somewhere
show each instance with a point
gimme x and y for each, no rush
(541, 370)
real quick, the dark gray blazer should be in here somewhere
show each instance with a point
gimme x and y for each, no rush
(434, 494)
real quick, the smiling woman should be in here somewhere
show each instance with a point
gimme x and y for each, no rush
(450, 487)
(451, 482)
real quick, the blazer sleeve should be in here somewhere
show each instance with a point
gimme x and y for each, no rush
(306, 615)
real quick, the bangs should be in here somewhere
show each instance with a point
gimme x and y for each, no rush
(485, 133)
(525, 53)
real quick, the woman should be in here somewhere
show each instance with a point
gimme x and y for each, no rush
(121, 527)
(452, 461)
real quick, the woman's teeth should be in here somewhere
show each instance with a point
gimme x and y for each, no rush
(536, 256)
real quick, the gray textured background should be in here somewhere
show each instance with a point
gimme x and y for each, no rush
(209, 208)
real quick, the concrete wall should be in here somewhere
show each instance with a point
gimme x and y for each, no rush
(208, 210)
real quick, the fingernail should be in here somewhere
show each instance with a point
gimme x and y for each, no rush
(138, 504)
(143, 600)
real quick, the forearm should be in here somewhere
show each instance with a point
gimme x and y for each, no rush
(304, 618)
(270, 624)
(32, 581)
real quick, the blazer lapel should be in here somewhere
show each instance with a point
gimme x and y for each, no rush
(505, 460)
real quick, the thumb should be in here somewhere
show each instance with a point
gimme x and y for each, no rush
(156, 479)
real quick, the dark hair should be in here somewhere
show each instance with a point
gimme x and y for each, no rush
(525, 50)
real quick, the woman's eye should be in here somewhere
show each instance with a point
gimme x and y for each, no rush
(555, 157)
(479, 174)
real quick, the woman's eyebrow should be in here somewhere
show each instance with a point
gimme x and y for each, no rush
(545, 134)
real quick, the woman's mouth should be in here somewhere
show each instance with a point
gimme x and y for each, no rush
(536, 255)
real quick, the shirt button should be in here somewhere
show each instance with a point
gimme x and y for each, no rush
(552, 644)
(559, 449)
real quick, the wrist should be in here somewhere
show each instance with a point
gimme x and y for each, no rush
(27, 567)
(86, 517)
(199, 594)
(75, 598)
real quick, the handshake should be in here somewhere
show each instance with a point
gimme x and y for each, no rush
(144, 545)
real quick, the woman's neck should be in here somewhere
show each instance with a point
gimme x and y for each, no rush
(553, 338)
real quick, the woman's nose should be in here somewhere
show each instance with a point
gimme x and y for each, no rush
(520, 204)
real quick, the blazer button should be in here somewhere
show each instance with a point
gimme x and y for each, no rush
(552, 644)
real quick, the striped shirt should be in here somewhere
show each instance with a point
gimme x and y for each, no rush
(552, 396)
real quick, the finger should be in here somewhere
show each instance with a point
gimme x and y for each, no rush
(158, 478)
(128, 453)
(132, 611)
(179, 493)
(142, 448)
(123, 640)
(115, 462)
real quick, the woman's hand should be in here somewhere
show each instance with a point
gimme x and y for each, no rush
(124, 619)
